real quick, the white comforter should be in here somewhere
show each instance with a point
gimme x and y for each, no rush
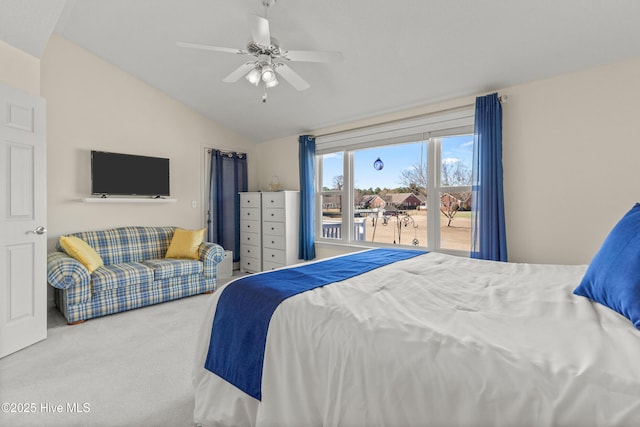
(437, 340)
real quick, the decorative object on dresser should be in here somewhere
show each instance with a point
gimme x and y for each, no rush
(274, 184)
(137, 266)
(269, 230)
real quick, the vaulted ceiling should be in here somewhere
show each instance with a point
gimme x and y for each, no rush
(397, 54)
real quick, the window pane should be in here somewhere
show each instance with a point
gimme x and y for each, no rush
(390, 187)
(399, 227)
(457, 160)
(332, 174)
(455, 220)
(331, 216)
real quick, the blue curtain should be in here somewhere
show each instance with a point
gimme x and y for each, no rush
(307, 155)
(228, 178)
(489, 239)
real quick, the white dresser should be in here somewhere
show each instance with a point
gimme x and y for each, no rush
(250, 232)
(269, 227)
(280, 228)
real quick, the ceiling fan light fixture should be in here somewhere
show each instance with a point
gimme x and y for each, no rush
(268, 75)
(268, 56)
(272, 83)
(254, 76)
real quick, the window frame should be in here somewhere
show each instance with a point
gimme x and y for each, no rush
(430, 129)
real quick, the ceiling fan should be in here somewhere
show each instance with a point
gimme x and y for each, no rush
(270, 59)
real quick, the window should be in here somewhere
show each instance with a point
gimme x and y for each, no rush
(391, 185)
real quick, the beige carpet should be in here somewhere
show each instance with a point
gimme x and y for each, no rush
(127, 369)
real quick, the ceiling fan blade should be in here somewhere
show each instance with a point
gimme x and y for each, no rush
(214, 48)
(291, 76)
(239, 72)
(260, 30)
(312, 56)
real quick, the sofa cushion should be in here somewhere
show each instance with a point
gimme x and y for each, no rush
(116, 275)
(185, 243)
(81, 251)
(128, 244)
(168, 268)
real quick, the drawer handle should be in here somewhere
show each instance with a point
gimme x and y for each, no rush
(272, 214)
(273, 255)
(272, 228)
(272, 242)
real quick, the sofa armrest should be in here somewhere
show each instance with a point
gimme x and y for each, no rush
(64, 272)
(210, 254)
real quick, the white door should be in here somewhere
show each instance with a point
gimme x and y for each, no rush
(23, 215)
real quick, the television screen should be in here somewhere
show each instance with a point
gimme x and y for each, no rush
(126, 174)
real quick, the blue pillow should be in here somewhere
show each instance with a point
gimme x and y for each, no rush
(613, 277)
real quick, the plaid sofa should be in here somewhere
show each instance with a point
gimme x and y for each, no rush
(135, 272)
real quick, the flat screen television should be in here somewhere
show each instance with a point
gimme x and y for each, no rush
(128, 175)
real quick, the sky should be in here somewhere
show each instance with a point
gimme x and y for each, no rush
(396, 158)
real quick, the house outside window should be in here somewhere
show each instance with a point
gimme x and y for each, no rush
(420, 197)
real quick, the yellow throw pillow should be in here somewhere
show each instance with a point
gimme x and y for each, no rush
(80, 250)
(185, 244)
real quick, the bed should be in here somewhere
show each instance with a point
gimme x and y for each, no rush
(435, 340)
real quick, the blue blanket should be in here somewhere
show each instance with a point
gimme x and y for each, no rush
(245, 307)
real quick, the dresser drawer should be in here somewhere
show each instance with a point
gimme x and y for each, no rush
(249, 238)
(273, 255)
(271, 214)
(249, 200)
(249, 226)
(274, 242)
(267, 266)
(273, 200)
(273, 228)
(250, 251)
(250, 214)
(250, 264)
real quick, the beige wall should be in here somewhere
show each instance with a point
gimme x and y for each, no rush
(92, 105)
(278, 158)
(19, 69)
(570, 155)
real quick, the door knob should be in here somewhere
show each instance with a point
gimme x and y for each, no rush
(40, 230)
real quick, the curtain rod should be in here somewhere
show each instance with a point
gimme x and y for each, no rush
(226, 153)
(501, 98)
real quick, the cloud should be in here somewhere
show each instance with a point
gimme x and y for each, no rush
(450, 160)
(468, 144)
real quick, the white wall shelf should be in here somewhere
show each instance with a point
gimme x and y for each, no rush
(127, 200)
